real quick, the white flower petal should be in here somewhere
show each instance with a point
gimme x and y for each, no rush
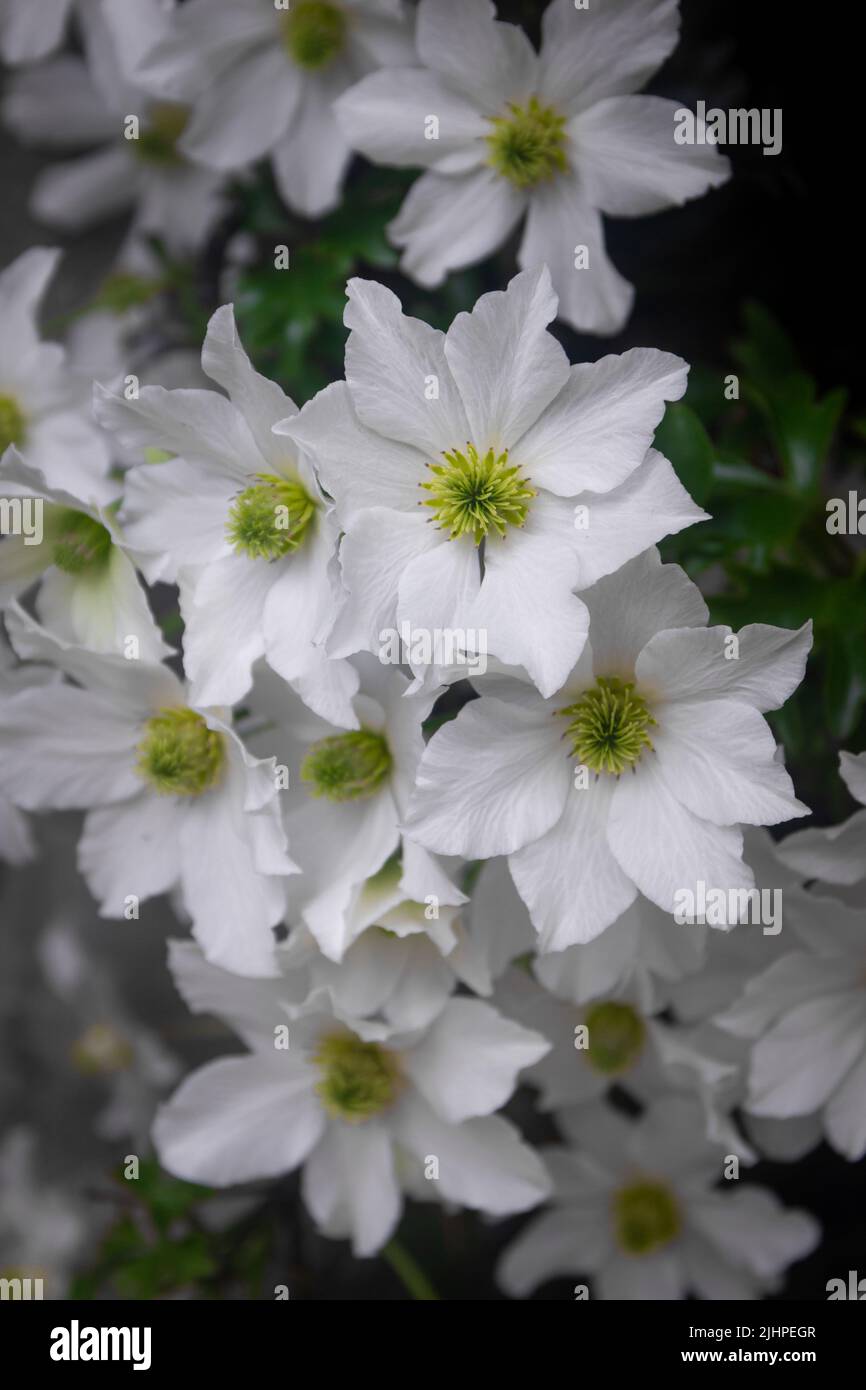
(663, 847)
(131, 850)
(312, 157)
(628, 607)
(483, 1163)
(569, 879)
(564, 231)
(239, 1119)
(448, 221)
(350, 1188)
(387, 116)
(490, 781)
(261, 402)
(604, 50)
(630, 163)
(246, 112)
(391, 360)
(507, 366)
(554, 1245)
(490, 62)
(764, 669)
(63, 748)
(79, 192)
(719, 761)
(201, 426)
(598, 429)
(468, 1061)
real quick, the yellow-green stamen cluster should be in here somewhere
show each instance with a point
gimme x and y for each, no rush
(347, 767)
(157, 140)
(528, 145)
(359, 1079)
(178, 754)
(79, 543)
(314, 32)
(12, 422)
(646, 1217)
(101, 1050)
(123, 291)
(270, 519)
(608, 726)
(472, 495)
(616, 1037)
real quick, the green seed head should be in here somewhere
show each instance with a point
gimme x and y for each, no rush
(160, 131)
(646, 1217)
(12, 422)
(79, 543)
(471, 495)
(271, 518)
(528, 145)
(179, 755)
(608, 726)
(346, 767)
(314, 32)
(616, 1037)
(359, 1079)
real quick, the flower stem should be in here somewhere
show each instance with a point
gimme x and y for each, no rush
(409, 1272)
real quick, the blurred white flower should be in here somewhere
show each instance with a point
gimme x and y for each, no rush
(44, 403)
(42, 1227)
(68, 103)
(177, 800)
(262, 78)
(480, 479)
(634, 776)
(89, 592)
(836, 855)
(554, 135)
(346, 1099)
(805, 1016)
(30, 31)
(638, 1209)
(238, 520)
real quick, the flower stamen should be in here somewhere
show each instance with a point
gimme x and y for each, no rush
(314, 32)
(473, 495)
(271, 518)
(608, 726)
(528, 145)
(347, 767)
(179, 755)
(646, 1217)
(359, 1079)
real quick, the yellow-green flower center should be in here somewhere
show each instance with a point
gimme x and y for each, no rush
(12, 422)
(178, 754)
(608, 726)
(472, 495)
(157, 139)
(79, 543)
(314, 32)
(359, 1079)
(528, 145)
(271, 518)
(646, 1217)
(616, 1037)
(347, 767)
(101, 1050)
(123, 291)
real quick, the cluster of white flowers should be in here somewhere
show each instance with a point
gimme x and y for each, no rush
(401, 913)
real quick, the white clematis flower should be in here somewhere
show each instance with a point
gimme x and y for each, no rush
(534, 474)
(262, 78)
(44, 406)
(69, 104)
(238, 520)
(348, 791)
(805, 1016)
(638, 1209)
(177, 801)
(407, 958)
(354, 1103)
(635, 776)
(836, 855)
(556, 136)
(89, 592)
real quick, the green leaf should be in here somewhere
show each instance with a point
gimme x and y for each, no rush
(683, 440)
